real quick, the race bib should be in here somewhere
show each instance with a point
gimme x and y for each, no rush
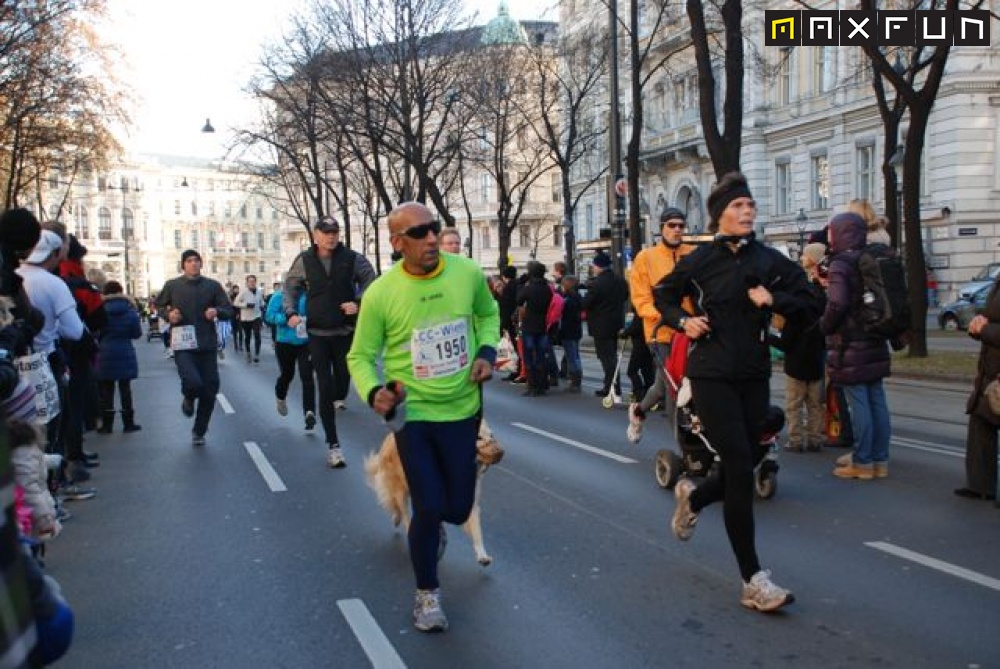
(300, 330)
(440, 350)
(182, 338)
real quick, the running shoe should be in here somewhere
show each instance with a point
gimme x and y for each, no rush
(334, 458)
(73, 492)
(684, 518)
(197, 439)
(282, 407)
(340, 405)
(428, 616)
(762, 594)
(310, 420)
(635, 421)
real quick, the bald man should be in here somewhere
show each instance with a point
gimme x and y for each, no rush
(434, 323)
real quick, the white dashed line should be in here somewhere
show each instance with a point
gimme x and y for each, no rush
(934, 563)
(271, 477)
(224, 403)
(577, 444)
(374, 642)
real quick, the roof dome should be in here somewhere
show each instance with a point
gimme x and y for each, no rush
(503, 29)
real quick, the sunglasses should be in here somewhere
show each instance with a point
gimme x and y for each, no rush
(422, 230)
(676, 226)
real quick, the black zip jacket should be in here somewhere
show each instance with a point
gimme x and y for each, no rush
(717, 279)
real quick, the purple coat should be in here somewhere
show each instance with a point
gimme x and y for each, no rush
(853, 357)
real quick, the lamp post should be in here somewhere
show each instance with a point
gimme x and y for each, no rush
(614, 146)
(801, 221)
(896, 163)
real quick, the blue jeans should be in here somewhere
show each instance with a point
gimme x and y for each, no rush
(870, 422)
(199, 372)
(572, 349)
(536, 347)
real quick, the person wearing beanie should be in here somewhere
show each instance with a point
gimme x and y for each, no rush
(192, 303)
(735, 283)
(605, 307)
(857, 362)
(649, 268)
(804, 364)
(116, 361)
(533, 298)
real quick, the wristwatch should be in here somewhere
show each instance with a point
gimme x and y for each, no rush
(680, 322)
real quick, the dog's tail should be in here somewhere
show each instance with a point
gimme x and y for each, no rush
(374, 477)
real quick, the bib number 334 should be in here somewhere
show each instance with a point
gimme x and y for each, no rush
(440, 350)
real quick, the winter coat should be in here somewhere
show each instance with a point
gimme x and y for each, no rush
(275, 315)
(989, 352)
(805, 357)
(605, 305)
(31, 474)
(649, 268)
(717, 279)
(853, 356)
(507, 302)
(116, 360)
(535, 296)
(571, 324)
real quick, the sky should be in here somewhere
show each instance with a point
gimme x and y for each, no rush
(189, 60)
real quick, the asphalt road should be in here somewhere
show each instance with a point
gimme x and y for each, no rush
(204, 558)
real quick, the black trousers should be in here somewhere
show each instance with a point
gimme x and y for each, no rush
(251, 328)
(329, 360)
(607, 352)
(199, 372)
(732, 413)
(290, 355)
(981, 455)
(108, 394)
(641, 370)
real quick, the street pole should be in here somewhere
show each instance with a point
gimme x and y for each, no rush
(570, 245)
(615, 149)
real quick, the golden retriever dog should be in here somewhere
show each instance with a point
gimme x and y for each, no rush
(384, 474)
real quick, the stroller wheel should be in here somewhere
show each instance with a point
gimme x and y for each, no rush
(765, 481)
(608, 401)
(667, 468)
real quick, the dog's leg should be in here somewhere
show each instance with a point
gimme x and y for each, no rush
(474, 529)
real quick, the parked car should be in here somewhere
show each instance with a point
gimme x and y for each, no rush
(956, 316)
(984, 277)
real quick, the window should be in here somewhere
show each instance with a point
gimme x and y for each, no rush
(820, 185)
(128, 224)
(211, 239)
(784, 87)
(557, 236)
(123, 184)
(276, 242)
(246, 266)
(229, 210)
(194, 239)
(194, 208)
(783, 187)
(102, 183)
(104, 223)
(53, 179)
(260, 212)
(229, 267)
(484, 239)
(524, 236)
(260, 241)
(215, 267)
(262, 266)
(485, 187)
(245, 240)
(484, 138)
(243, 210)
(590, 220)
(821, 57)
(864, 157)
(177, 239)
(211, 208)
(274, 214)
(82, 224)
(556, 187)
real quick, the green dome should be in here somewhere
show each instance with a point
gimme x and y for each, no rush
(503, 29)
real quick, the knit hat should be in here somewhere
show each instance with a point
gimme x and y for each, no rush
(190, 253)
(19, 230)
(730, 187)
(672, 214)
(812, 254)
(602, 260)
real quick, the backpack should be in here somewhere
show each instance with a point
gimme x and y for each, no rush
(884, 310)
(554, 313)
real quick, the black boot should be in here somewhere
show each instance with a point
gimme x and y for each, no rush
(107, 422)
(128, 417)
(575, 381)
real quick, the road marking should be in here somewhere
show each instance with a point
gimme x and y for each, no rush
(927, 447)
(224, 403)
(934, 563)
(577, 444)
(374, 642)
(274, 481)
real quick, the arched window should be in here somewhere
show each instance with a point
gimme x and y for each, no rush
(82, 224)
(128, 224)
(689, 202)
(104, 223)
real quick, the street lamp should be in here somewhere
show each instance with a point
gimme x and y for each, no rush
(896, 163)
(801, 221)
(208, 126)
(615, 148)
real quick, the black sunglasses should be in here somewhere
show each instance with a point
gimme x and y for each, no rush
(676, 226)
(422, 230)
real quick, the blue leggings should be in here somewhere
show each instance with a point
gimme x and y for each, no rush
(439, 460)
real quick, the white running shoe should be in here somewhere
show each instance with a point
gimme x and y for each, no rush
(684, 518)
(428, 616)
(762, 594)
(340, 405)
(282, 407)
(334, 458)
(310, 420)
(634, 429)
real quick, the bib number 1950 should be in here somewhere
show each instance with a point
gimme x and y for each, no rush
(440, 350)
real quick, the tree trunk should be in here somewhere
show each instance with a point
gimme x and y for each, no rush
(916, 268)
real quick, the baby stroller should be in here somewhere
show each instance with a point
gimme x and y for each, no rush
(153, 319)
(611, 399)
(697, 456)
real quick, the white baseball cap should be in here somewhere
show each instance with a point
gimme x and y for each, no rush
(47, 243)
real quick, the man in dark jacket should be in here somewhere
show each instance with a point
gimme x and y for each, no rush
(191, 304)
(334, 278)
(571, 331)
(534, 297)
(857, 361)
(507, 302)
(605, 307)
(735, 282)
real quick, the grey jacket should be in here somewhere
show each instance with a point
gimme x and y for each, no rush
(193, 297)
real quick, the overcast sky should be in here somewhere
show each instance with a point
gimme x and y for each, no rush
(188, 60)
